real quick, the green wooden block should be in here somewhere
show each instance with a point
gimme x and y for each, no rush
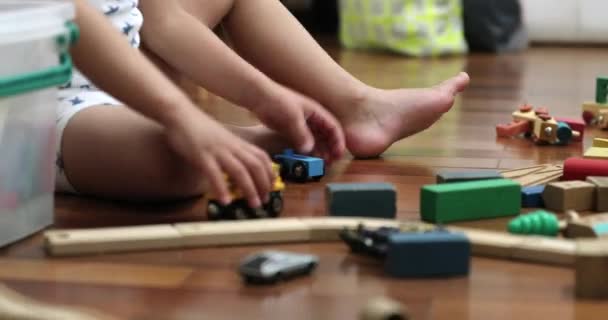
(377, 200)
(461, 176)
(472, 200)
(601, 90)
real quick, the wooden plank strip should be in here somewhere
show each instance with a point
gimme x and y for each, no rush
(69, 242)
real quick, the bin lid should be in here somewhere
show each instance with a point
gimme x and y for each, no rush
(22, 20)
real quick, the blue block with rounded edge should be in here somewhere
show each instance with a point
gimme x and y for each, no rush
(435, 253)
(532, 197)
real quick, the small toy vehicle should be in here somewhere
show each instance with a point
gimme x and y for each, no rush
(272, 266)
(300, 168)
(239, 209)
(537, 124)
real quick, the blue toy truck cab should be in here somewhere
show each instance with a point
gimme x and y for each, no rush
(300, 168)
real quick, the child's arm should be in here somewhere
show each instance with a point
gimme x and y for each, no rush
(194, 50)
(107, 59)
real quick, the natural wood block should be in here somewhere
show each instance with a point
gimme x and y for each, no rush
(591, 226)
(601, 192)
(242, 232)
(597, 153)
(569, 195)
(591, 269)
(600, 143)
(71, 242)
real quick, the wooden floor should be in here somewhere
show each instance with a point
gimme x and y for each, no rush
(203, 284)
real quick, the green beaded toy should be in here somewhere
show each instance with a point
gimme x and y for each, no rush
(535, 223)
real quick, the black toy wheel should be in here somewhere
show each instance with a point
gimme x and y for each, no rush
(239, 210)
(284, 172)
(299, 171)
(275, 205)
(214, 210)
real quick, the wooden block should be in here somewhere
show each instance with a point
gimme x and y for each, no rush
(597, 153)
(460, 201)
(512, 129)
(461, 176)
(242, 232)
(102, 240)
(600, 143)
(545, 250)
(545, 130)
(532, 197)
(520, 116)
(601, 90)
(580, 168)
(569, 195)
(591, 265)
(576, 125)
(377, 200)
(601, 193)
(591, 226)
(434, 253)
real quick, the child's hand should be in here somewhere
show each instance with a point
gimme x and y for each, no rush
(215, 151)
(307, 125)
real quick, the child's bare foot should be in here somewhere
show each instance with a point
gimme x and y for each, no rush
(383, 117)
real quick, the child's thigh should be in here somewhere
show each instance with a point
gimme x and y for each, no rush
(114, 152)
(211, 13)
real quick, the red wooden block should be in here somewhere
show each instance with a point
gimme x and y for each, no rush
(512, 129)
(525, 107)
(581, 168)
(576, 125)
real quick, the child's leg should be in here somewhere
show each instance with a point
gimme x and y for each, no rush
(114, 152)
(268, 36)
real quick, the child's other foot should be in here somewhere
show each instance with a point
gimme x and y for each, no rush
(383, 117)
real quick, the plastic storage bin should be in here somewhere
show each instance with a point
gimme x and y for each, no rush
(34, 60)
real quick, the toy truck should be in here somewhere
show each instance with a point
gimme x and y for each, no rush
(239, 209)
(300, 168)
(596, 113)
(539, 125)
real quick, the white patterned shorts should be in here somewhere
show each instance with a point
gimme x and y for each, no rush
(71, 101)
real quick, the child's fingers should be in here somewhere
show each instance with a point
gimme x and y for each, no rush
(216, 179)
(265, 159)
(257, 168)
(241, 176)
(330, 130)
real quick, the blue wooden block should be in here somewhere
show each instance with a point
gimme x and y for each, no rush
(532, 197)
(436, 253)
(376, 200)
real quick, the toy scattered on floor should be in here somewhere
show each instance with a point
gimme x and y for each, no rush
(534, 175)
(600, 143)
(383, 308)
(462, 176)
(596, 113)
(472, 200)
(538, 222)
(596, 153)
(419, 253)
(601, 192)
(300, 168)
(272, 266)
(539, 125)
(239, 208)
(569, 195)
(580, 168)
(375, 200)
(532, 197)
(591, 265)
(577, 125)
(590, 226)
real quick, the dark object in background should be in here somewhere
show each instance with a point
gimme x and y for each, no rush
(319, 17)
(494, 25)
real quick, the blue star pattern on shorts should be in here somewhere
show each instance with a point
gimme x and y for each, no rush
(127, 28)
(76, 101)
